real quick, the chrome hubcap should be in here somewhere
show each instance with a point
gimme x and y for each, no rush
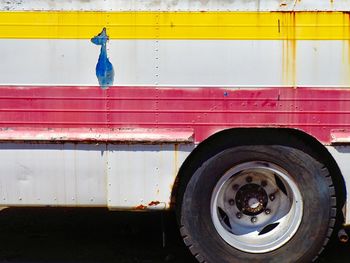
(256, 207)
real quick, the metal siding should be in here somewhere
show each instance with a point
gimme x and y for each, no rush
(205, 110)
(52, 174)
(73, 62)
(176, 25)
(304, 49)
(69, 174)
(178, 63)
(90, 135)
(141, 177)
(177, 5)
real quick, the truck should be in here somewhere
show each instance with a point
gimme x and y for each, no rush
(235, 114)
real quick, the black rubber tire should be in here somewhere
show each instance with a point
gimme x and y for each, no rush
(311, 177)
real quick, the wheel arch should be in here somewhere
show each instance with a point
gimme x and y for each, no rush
(258, 136)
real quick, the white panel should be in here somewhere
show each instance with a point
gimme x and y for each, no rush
(70, 174)
(211, 63)
(73, 62)
(141, 174)
(88, 167)
(323, 63)
(178, 62)
(52, 174)
(134, 61)
(341, 154)
(48, 62)
(175, 5)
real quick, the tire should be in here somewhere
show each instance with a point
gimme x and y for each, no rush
(258, 204)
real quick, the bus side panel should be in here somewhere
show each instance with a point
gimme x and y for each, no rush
(89, 175)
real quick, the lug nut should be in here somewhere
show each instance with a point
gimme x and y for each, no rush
(272, 197)
(249, 179)
(267, 211)
(254, 219)
(231, 202)
(239, 215)
(263, 183)
(235, 187)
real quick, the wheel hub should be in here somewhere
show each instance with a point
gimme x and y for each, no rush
(251, 199)
(256, 207)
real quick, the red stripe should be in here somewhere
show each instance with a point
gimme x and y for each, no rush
(206, 110)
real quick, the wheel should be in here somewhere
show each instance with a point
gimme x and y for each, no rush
(258, 204)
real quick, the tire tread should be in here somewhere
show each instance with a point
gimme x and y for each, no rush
(332, 220)
(191, 244)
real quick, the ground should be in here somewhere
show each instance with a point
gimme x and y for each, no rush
(99, 236)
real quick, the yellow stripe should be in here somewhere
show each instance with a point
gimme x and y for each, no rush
(176, 25)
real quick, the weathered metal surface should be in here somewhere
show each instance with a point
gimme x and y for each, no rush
(53, 174)
(203, 63)
(218, 48)
(175, 25)
(114, 176)
(205, 110)
(119, 135)
(142, 177)
(340, 136)
(177, 5)
(47, 58)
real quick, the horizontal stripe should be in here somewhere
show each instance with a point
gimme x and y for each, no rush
(178, 5)
(177, 25)
(205, 110)
(159, 136)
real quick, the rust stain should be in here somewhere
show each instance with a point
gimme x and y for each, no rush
(332, 4)
(289, 50)
(346, 48)
(174, 184)
(140, 207)
(283, 4)
(176, 159)
(154, 203)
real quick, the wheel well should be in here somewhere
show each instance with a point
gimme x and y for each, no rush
(258, 136)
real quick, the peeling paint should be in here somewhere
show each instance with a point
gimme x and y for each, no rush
(113, 135)
(104, 68)
(140, 207)
(154, 203)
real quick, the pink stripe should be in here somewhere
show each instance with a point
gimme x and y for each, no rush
(205, 110)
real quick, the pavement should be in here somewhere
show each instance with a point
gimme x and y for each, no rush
(56, 235)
